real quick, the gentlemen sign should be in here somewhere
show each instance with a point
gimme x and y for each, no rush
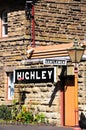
(55, 62)
(41, 75)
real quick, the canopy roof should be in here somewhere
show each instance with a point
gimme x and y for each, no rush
(50, 51)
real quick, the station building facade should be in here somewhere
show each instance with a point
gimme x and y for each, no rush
(34, 40)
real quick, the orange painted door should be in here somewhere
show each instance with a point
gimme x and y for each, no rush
(69, 102)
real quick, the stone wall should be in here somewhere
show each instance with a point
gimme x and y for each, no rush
(63, 19)
(55, 23)
(42, 99)
(82, 87)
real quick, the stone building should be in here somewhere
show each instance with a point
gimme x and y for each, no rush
(34, 61)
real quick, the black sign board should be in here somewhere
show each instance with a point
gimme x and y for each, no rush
(39, 75)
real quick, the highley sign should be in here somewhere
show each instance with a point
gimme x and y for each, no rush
(38, 75)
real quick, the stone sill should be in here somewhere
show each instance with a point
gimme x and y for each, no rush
(11, 39)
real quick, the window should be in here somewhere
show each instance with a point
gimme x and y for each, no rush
(4, 24)
(10, 86)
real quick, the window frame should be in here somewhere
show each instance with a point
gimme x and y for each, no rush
(10, 86)
(4, 25)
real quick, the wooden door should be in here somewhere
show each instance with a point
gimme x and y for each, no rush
(69, 102)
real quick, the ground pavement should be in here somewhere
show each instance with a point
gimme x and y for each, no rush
(32, 127)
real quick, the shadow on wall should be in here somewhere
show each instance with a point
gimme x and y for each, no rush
(59, 86)
(56, 89)
(64, 80)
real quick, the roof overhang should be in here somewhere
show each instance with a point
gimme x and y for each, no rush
(50, 51)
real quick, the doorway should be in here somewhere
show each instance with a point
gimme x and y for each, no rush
(69, 101)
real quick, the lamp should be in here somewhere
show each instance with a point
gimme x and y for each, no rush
(75, 53)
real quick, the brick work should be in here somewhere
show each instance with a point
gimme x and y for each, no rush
(55, 18)
(82, 87)
(43, 99)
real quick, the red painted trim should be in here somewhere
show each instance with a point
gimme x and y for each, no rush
(62, 107)
(33, 27)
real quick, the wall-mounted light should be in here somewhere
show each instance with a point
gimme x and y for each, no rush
(76, 52)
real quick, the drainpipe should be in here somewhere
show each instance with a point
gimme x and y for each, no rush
(29, 9)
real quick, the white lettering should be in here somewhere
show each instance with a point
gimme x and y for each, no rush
(27, 75)
(22, 75)
(50, 74)
(18, 75)
(37, 76)
(32, 75)
(43, 74)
